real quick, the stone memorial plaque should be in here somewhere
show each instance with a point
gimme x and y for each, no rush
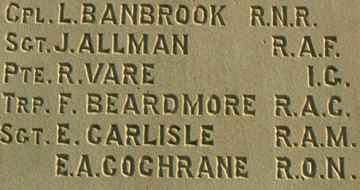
(181, 95)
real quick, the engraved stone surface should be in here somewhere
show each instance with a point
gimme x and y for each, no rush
(137, 95)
